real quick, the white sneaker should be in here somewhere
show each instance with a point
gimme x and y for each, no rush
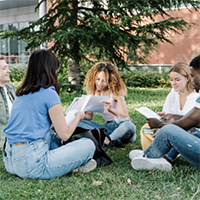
(150, 164)
(136, 153)
(87, 168)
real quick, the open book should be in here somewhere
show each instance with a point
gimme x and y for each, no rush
(87, 103)
(148, 113)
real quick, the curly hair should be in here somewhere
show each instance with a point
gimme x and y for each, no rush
(183, 69)
(115, 84)
(195, 63)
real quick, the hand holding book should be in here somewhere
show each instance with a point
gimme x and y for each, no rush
(87, 103)
(155, 123)
(148, 113)
(154, 120)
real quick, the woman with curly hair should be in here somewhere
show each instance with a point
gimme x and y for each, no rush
(103, 79)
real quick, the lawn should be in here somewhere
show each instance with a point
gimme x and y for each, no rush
(118, 180)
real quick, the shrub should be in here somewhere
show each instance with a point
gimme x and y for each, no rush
(145, 79)
(17, 74)
(130, 78)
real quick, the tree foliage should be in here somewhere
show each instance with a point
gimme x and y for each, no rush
(104, 29)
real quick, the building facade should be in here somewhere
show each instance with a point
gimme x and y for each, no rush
(15, 15)
(186, 45)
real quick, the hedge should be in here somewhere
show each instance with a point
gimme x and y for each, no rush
(130, 78)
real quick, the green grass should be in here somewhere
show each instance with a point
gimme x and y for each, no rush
(119, 180)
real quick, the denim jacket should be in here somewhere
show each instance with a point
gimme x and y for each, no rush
(4, 112)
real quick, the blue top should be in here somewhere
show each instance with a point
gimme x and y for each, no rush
(29, 119)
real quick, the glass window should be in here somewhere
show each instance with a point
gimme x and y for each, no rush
(24, 55)
(4, 44)
(12, 49)
(14, 44)
(23, 25)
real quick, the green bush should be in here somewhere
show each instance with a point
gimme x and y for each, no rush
(136, 78)
(130, 78)
(17, 74)
(145, 79)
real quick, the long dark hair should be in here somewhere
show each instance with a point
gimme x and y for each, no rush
(41, 72)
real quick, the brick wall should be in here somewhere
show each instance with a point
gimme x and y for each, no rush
(186, 45)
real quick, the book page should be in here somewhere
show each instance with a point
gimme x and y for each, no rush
(87, 103)
(70, 116)
(78, 103)
(94, 104)
(148, 113)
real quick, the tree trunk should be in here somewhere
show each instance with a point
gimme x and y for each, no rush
(73, 72)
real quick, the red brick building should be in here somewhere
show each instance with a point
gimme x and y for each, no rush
(186, 45)
(16, 14)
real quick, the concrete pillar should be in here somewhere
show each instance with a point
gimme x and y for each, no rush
(42, 12)
(42, 8)
(160, 69)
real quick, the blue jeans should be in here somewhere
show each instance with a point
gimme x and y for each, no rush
(172, 154)
(125, 129)
(44, 159)
(171, 136)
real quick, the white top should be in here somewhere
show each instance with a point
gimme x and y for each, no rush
(172, 103)
(8, 100)
(107, 115)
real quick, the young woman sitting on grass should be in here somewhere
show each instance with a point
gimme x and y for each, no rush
(173, 134)
(103, 79)
(179, 101)
(31, 150)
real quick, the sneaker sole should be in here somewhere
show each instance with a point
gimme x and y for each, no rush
(150, 164)
(87, 168)
(135, 154)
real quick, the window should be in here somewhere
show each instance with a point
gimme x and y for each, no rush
(13, 50)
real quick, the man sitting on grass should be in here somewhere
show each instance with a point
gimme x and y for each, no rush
(7, 95)
(173, 134)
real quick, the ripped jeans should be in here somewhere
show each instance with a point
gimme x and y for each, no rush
(184, 143)
(172, 154)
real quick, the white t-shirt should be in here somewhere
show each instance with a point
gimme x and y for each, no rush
(8, 100)
(172, 103)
